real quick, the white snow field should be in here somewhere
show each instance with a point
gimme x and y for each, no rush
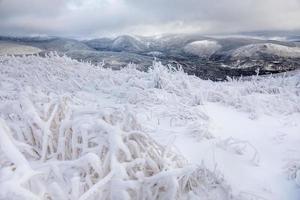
(71, 130)
(202, 48)
(8, 48)
(268, 48)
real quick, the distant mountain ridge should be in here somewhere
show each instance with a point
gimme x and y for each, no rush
(207, 57)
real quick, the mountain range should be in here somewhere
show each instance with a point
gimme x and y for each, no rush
(213, 57)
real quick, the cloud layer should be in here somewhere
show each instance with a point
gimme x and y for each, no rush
(93, 18)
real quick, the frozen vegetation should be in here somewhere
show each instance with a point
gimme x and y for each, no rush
(72, 130)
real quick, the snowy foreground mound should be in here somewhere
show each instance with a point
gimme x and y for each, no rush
(70, 130)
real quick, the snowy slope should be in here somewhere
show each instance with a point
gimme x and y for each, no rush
(267, 48)
(70, 130)
(7, 48)
(203, 48)
(127, 43)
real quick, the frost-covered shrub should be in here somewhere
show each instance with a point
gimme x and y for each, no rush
(93, 154)
(293, 171)
(70, 130)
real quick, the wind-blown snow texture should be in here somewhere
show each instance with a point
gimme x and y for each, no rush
(70, 130)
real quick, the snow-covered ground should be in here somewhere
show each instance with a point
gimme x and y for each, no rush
(7, 48)
(268, 48)
(202, 48)
(70, 130)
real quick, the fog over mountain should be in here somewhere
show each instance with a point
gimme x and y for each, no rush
(97, 18)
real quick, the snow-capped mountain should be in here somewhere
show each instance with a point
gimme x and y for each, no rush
(254, 51)
(62, 45)
(207, 57)
(8, 48)
(128, 44)
(202, 48)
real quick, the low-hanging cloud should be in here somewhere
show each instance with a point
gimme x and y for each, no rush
(93, 18)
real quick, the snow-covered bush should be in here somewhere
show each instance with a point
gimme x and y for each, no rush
(70, 130)
(92, 154)
(293, 171)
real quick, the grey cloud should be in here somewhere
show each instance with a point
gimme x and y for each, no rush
(92, 18)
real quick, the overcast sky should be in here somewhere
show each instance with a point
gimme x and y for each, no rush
(95, 18)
